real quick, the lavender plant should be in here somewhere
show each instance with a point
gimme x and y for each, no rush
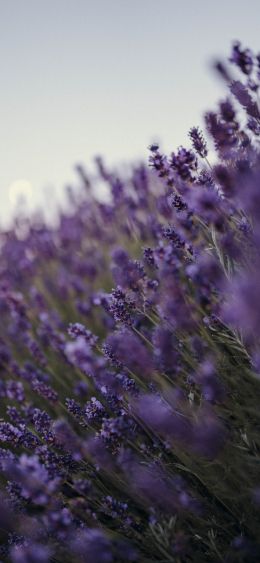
(129, 357)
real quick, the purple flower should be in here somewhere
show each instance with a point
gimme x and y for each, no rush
(224, 134)
(33, 479)
(241, 93)
(92, 546)
(80, 354)
(80, 388)
(59, 523)
(121, 307)
(129, 351)
(67, 438)
(242, 58)
(128, 274)
(184, 163)
(30, 553)
(198, 142)
(227, 111)
(94, 409)
(15, 391)
(242, 307)
(77, 329)
(165, 352)
(209, 435)
(159, 416)
(254, 125)
(159, 162)
(9, 433)
(44, 390)
(212, 388)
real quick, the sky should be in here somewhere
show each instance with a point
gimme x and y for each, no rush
(81, 78)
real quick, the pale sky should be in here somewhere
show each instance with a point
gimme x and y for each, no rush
(86, 77)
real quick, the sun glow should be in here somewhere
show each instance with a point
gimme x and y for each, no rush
(20, 191)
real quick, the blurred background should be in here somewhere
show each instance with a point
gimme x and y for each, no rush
(81, 78)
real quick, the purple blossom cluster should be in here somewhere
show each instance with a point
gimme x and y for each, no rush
(130, 358)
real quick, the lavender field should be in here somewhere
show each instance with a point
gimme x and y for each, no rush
(130, 360)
